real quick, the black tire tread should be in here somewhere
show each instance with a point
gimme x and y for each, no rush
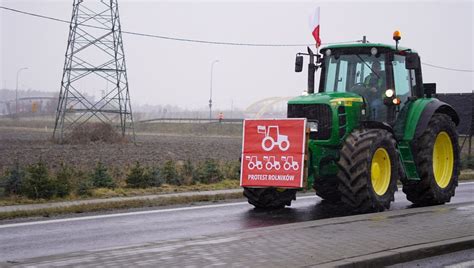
(269, 198)
(354, 166)
(426, 192)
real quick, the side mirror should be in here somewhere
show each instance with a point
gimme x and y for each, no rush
(412, 61)
(299, 64)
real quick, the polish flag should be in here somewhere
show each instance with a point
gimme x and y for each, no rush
(314, 24)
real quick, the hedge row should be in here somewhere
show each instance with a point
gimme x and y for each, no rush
(37, 181)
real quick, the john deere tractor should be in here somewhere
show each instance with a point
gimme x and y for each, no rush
(372, 121)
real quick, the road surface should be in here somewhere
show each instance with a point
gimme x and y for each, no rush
(43, 238)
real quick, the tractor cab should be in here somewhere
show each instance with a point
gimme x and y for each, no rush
(384, 76)
(373, 71)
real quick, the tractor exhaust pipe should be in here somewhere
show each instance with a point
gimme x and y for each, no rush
(312, 67)
(311, 71)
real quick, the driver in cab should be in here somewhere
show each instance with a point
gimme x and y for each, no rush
(375, 81)
(375, 84)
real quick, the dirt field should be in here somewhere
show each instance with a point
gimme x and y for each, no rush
(29, 145)
(156, 142)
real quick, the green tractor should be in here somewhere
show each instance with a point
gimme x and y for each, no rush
(373, 121)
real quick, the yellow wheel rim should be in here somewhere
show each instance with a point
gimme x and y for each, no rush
(443, 159)
(380, 171)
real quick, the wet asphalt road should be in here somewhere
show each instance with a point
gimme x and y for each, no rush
(42, 238)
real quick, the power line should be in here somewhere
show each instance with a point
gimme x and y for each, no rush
(208, 41)
(446, 68)
(170, 37)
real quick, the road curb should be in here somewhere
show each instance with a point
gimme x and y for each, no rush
(104, 205)
(47, 205)
(405, 254)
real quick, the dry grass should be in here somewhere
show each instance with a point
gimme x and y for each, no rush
(127, 204)
(467, 175)
(127, 192)
(94, 132)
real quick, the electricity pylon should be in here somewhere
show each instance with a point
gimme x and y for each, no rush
(94, 85)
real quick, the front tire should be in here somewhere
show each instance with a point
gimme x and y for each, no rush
(368, 170)
(269, 198)
(436, 154)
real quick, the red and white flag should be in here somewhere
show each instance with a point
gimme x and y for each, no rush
(314, 24)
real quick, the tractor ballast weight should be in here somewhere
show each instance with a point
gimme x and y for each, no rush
(376, 123)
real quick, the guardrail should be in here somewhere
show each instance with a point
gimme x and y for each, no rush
(193, 120)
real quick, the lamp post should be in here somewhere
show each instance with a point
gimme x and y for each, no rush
(16, 91)
(210, 92)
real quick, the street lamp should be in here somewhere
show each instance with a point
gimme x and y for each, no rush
(16, 91)
(210, 93)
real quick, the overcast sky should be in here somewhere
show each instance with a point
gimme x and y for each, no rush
(178, 73)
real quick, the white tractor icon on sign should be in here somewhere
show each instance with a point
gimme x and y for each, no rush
(254, 163)
(271, 163)
(269, 142)
(289, 163)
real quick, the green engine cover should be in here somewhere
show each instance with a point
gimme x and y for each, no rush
(337, 114)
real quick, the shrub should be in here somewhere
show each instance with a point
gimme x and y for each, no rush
(63, 181)
(467, 163)
(13, 180)
(136, 177)
(94, 132)
(84, 188)
(38, 183)
(231, 170)
(169, 173)
(140, 177)
(101, 177)
(187, 172)
(155, 178)
(208, 172)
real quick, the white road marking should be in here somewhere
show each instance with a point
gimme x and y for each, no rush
(461, 265)
(4, 226)
(128, 214)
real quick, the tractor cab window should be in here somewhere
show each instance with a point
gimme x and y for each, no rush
(402, 77)
(362, 74)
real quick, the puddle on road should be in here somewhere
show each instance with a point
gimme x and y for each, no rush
(466, 208)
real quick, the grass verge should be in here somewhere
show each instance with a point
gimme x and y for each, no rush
(127, 192)
(114, 205)
(466, 175)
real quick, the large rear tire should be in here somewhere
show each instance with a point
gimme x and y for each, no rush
(368, 170)
(269, 198)
(436, 154)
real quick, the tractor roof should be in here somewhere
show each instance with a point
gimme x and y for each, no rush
(365, 45)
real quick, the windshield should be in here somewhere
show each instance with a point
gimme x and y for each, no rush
(359, 73)
(352, 73)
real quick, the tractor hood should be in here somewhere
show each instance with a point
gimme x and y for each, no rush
(332, 98)
(336, 113)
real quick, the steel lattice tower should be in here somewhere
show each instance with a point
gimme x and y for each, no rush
(94, 85)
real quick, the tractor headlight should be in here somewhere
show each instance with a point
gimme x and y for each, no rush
(313, 126)
(389, 93)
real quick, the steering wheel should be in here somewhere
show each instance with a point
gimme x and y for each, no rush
(358, 88)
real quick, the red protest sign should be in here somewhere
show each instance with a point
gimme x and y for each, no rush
(273, 153)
